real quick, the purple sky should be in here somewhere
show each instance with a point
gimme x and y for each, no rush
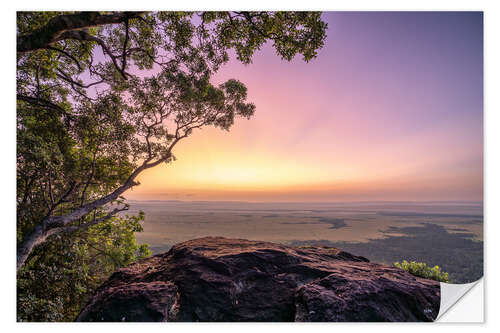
(392, 109)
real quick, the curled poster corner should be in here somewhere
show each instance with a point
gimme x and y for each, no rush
(456, 306)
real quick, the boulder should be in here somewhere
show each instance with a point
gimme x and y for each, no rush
(219, 279)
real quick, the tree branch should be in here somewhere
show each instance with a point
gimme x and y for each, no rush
(85, 36)
(42, 103)
(67, 55)
(73, 228)
(67, 78)
(124, 52)
(54, 30)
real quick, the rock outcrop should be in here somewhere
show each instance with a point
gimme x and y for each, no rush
(220, 279)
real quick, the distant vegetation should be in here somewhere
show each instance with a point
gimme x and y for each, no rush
(456, 253)
(422, 270)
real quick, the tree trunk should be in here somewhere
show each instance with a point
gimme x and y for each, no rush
(34, 238)
(42, 230)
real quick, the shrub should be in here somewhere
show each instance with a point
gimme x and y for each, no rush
(421, 269)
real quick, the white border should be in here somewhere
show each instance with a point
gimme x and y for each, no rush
(492, 161)
(459, 309)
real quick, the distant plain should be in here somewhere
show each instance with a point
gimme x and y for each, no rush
(448, 234)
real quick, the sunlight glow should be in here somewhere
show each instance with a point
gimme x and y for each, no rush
(381, 114)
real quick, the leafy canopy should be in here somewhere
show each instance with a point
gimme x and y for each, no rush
(101, 97)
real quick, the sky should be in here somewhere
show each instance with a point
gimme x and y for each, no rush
(391, 109)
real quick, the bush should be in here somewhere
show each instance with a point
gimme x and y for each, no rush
(421, 269)
(62, 273)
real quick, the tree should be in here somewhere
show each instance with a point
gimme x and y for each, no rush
(101, 97)
(62, 273)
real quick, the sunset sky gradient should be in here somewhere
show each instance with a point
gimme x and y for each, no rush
(391, 109)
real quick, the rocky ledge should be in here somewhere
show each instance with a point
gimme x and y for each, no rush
(220, 279)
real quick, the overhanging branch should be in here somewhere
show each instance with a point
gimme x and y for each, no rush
(73, 228)
(54, 29)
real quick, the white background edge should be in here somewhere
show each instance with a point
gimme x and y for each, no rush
(492, 159)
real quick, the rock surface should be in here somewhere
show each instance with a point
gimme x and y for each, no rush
(220, 279)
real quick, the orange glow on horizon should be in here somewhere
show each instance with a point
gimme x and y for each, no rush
(363, 121)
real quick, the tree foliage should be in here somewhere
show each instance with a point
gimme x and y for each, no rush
(103, 96)
(56, 281)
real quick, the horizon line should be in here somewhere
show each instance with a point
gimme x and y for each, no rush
(310, 202)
